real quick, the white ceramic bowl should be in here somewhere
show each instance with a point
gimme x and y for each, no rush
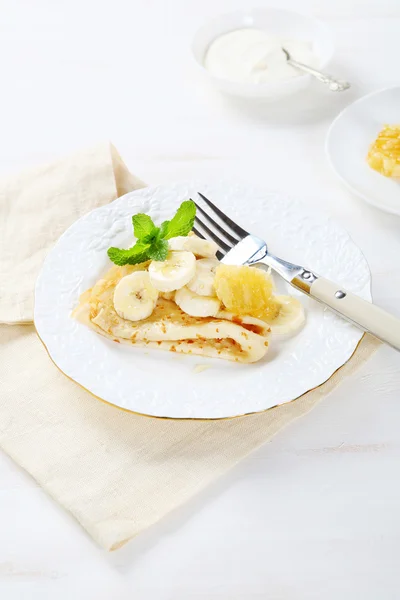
(276, 22)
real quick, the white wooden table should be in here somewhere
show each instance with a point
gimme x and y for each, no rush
(315, 513)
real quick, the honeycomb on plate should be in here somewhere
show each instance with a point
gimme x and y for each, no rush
(384, 153)
(246, 291)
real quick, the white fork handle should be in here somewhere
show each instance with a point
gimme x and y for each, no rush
(369, 317)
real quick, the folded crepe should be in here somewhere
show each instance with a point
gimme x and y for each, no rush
(241, 339)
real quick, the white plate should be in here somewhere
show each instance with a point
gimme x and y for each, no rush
(164, 384)
(348, 140)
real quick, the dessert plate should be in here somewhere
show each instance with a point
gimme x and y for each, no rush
(163, 384)
(348, 140)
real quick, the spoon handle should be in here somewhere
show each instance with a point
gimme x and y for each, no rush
(335, 85)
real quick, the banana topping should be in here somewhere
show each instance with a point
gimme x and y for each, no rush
(203, 281)
(192, 243)
(197, 306)
(135, 297)
(174, 272)
(290, 316)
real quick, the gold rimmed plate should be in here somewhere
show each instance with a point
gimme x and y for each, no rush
(162, 384)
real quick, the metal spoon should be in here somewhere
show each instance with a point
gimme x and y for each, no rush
(335, 85)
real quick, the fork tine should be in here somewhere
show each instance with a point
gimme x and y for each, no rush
(198, 233)
(220, 255)
(234, 226)
(218, 227)
(213, 236)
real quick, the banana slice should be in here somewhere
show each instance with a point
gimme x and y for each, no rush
(193, 243)
(174, 272)
(167, 295)
(290, 317)
(203, 281)
(135, 297)
(197, 306)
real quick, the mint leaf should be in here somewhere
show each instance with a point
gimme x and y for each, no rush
(158, 250)
(143, 225)
(164, 229)
(182, 222)
(132, 256)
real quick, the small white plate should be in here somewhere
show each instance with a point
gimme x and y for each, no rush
(165, 384)
(348, 140)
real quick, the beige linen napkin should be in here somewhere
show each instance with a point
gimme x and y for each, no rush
(37, 206)
(116, 472)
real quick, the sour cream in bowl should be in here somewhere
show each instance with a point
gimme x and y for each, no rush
(241, 52)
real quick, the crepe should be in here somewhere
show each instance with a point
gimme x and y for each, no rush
(242, 339)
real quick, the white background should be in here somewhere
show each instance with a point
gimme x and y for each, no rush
(315, 513)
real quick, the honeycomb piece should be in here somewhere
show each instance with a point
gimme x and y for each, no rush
(384, 153)
(246, 291)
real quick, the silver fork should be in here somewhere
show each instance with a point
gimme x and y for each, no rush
(239, 247)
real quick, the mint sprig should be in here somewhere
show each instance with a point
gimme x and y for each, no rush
(152, 241)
